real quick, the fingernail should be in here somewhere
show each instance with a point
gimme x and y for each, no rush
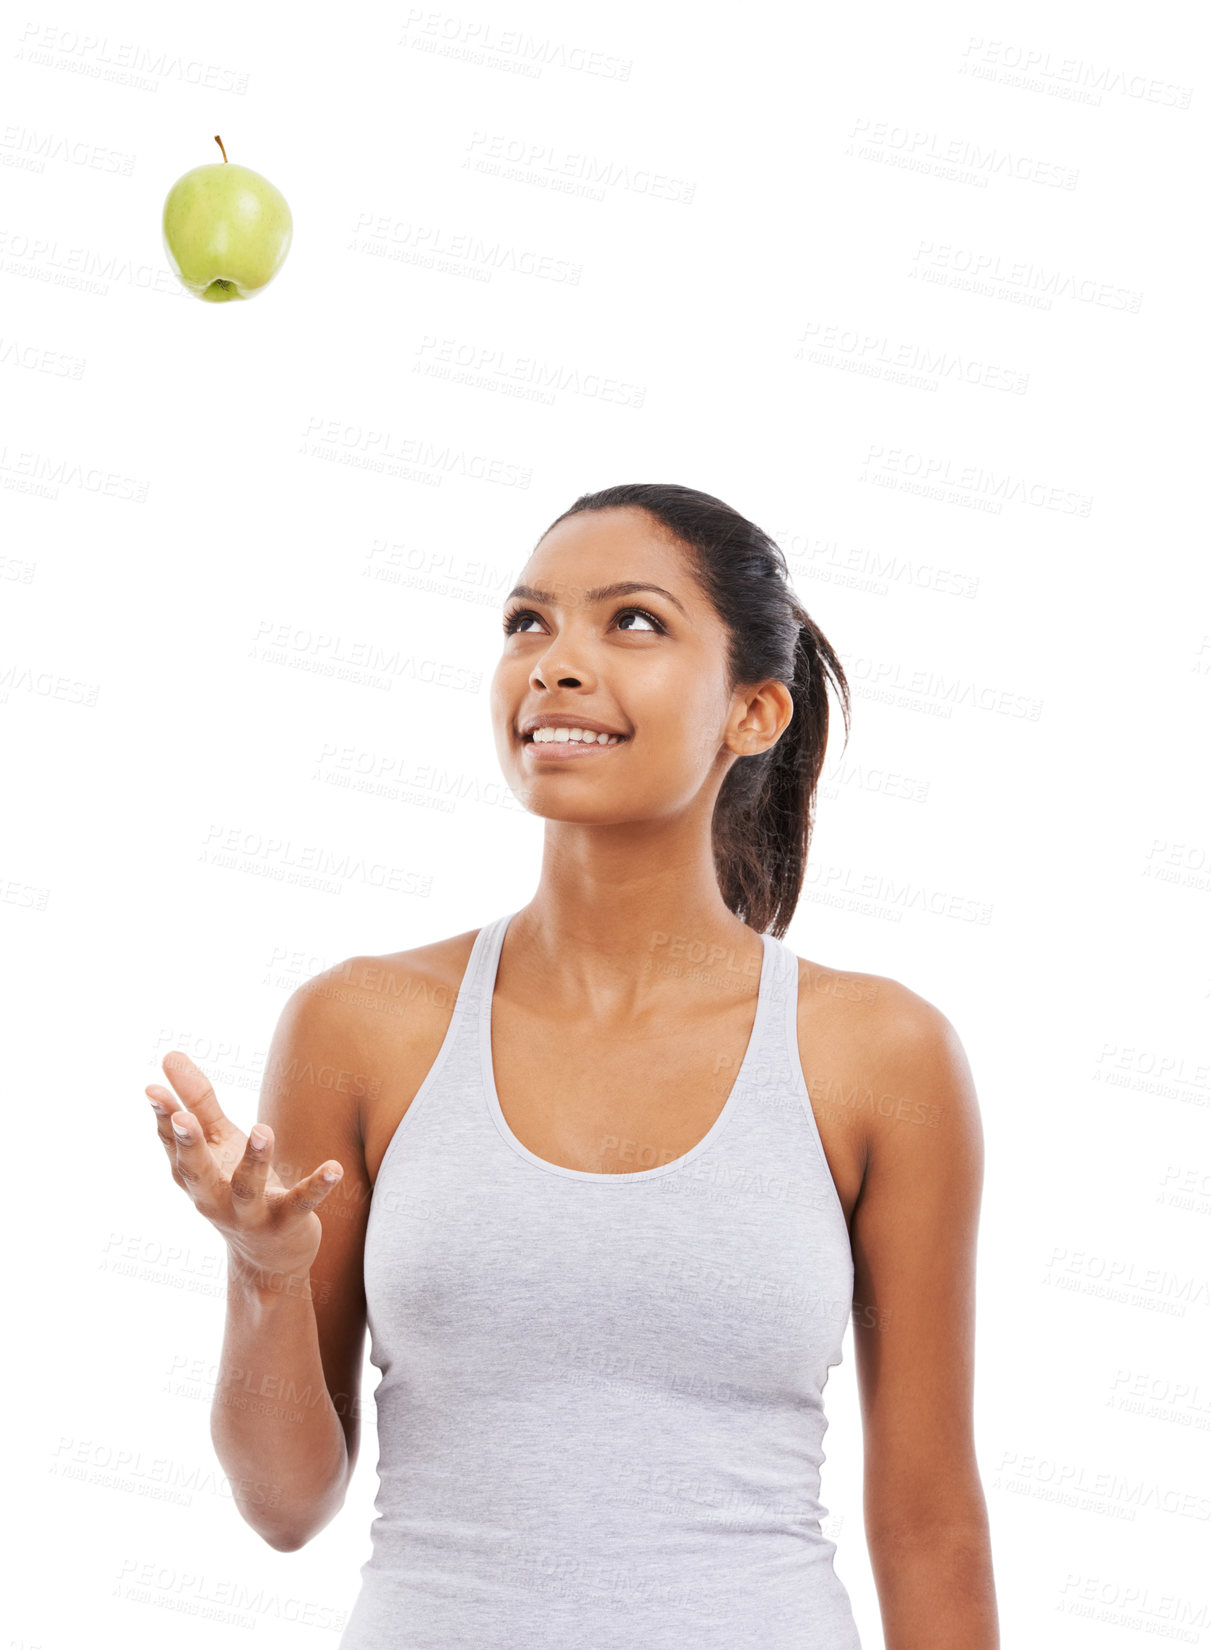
(156, 1106)
(257, 1135)
(181, 1130)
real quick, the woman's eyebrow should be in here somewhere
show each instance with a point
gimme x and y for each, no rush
(626, 587)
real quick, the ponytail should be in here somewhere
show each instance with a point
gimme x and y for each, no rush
(766, 809)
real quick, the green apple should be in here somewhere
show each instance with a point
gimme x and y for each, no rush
(227, 230)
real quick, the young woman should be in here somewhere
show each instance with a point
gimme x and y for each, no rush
(614, 1172)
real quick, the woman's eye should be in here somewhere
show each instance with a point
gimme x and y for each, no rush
(655, 622)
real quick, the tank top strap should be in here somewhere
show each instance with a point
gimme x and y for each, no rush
(780, 1031)
(474, 999)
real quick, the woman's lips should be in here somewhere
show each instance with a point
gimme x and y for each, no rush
(563, 750)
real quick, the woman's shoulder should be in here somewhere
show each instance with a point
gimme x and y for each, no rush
(382, 1017)
(376, 989)
(881, 1056)
(868, 1004)
(886, 1052)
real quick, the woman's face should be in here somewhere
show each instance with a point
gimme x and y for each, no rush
(648, 663)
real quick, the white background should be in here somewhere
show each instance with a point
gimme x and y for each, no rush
(931, 318)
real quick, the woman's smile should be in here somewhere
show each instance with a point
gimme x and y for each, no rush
(565, 750)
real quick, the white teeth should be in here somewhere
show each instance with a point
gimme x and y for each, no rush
(577, 736)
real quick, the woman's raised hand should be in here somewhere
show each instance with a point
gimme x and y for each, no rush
(272, 1230)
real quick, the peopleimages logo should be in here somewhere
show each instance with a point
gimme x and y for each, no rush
(456, 252)
(960, 159)
(1019, 279)
(407, 457)
(920, 366)
(517, 51)
(938, 471)
(551, 166)
(24, 470)
(80, 268)
(125, 62)
(529, 377)
(1072, 78)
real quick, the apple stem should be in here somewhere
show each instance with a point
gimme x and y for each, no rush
(219, 141)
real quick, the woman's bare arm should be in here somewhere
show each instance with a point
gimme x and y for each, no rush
(914, 1233)
(274, 1426)
(284, 1419)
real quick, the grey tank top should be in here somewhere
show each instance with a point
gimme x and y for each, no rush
(600, 1412)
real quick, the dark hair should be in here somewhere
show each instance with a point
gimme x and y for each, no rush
(765, 810)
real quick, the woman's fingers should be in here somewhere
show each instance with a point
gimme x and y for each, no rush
(270, 1225)
(193, 1086)
(195, 1162)
(308, 1193)
(251, 1173)
(164, 1104)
